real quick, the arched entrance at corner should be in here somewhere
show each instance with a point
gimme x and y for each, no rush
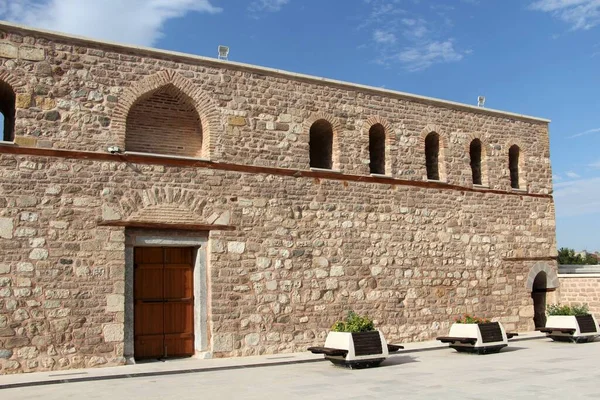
(538, 294)
(541, 281)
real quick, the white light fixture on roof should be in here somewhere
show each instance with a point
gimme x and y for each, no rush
(480, 101)
(223, 52)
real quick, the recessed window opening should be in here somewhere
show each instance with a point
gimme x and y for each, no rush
(432, 151)
(513, 165)
(377, 149)
(321, 145)
(475, 153)
(7, 112)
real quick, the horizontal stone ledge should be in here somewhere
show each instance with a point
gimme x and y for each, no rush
(174, 161)
(167, 226)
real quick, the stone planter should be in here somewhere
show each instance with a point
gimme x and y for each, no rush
(570, 328)
(482, 338)
(355, 350)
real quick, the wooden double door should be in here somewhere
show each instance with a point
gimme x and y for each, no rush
(164, 302)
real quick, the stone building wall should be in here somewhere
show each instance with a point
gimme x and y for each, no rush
(307, 246)
(581, 290)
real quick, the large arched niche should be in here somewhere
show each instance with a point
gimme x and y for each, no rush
(167, 114)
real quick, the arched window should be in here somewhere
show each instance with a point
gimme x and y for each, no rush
(164, 121)
(475, 153)
(432, 152)
(7, 112)
(377, 149)
(513, 165)
(321, 145)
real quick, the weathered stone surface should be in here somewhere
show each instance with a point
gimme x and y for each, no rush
(237, 121)
(8, 50)
(115, 302)
(236, 247)
(223, 343)
(113, 333)
(23, 100)
(6, 228)
(31, 53)
(110, 213)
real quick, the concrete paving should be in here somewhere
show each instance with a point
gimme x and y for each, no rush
(525, 370)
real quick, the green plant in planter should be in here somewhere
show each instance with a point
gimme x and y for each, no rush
(354, 323)
(469, 319)
(577, 310)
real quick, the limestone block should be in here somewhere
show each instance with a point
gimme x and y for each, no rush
(237, 121)
(31, 53)
(110, 213)
(115, 302)
(6, 228)
(223, 342)
(23, 100)
(236, 247)
(4, 268)
(38, 254)
(252, 339)
(8, 50)
(113, 333)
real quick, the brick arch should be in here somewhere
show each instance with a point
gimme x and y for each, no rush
(336, 128)
(390, 138)
(10, 79)
(443, 150)
(140, 90)
(484, 154)
(551, 276)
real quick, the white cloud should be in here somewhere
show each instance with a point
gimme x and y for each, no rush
(556, 178)
(580, 14)
(384, 37)
(572, 175)
(131, 21)
(267, 5)
(418, 58)
(580, 197)
(595, 164)
(588, 132)
(410, 40)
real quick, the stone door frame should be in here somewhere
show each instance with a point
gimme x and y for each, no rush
(199, 243)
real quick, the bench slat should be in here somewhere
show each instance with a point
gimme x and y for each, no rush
(394, 347)
(450, 339)
(328, 351)
(562, 330)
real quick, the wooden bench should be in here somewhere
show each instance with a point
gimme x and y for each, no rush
(568, 331)
(328, 351)
(451, 339)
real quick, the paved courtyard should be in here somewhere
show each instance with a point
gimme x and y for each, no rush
(525, 370)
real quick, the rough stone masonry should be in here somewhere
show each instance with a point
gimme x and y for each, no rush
(219, 151)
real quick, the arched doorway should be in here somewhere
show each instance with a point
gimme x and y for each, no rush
(538, 294)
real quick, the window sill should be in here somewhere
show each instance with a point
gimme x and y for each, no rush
(475, 186)
(7, 143)
(382, 176)
(335, 171)
(519, 190)
(437, 181)
(172, 156)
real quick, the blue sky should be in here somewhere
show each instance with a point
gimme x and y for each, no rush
(536, 57)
